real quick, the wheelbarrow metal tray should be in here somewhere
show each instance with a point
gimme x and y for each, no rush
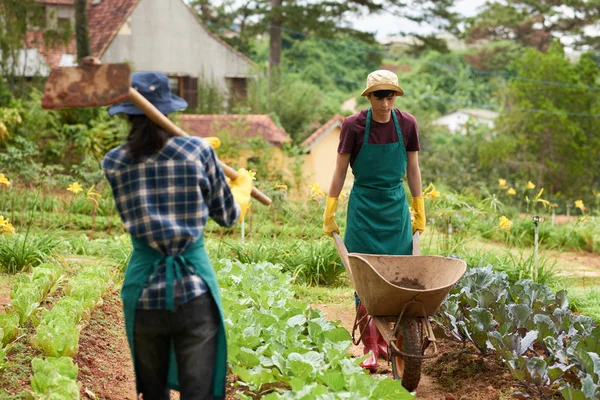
(372, 276)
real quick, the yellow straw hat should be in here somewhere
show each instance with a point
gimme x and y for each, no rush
(382, 79)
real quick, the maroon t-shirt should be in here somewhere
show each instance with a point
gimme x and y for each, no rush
(353, 133)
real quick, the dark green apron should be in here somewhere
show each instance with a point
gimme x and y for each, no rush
(378, 219)
(142, 264)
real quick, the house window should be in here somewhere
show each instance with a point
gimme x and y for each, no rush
(64, 23)
(176, 85)
(185, 87)
(238, 87)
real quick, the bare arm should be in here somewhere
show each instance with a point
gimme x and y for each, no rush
(339, 175)
(413, 173)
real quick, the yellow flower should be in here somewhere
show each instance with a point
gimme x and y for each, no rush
(91, 195)
(597, 194)
(280, 187)
(6, 226)
(431, 192)
(537, 196)
(315, 191)
(511, 191)
(4, 180)
(75, 187)
(505, 224)
(530, 185)
(502, 183)
(579, 204)
(545, 203)
(253, 175)
(4, 134)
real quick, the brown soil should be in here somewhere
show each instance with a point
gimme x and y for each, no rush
(105, 368)
(104, 360)
(409, 284)
(456, 373)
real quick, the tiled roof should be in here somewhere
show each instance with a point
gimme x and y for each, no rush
(105, 18)
(310, 141)
(244, 126)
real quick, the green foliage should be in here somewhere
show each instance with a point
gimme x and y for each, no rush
(313, 262)
(520, 320)
(54, 377)
(18, 19)
(534, 23)
(281, 348)
(553, 146)
(19, 252)
(294, 101)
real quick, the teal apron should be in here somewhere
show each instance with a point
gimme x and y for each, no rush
(142, 264)
(378, 219)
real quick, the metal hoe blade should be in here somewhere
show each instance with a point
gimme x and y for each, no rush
(87, 86)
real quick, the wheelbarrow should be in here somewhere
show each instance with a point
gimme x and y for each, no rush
(400, 293)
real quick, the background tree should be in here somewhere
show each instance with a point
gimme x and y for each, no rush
(550, 128)
(18, 19)
(252, 18)
(81, 29)
(536, 23)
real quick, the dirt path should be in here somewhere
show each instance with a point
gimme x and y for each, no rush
(456, 373)
(427, 389)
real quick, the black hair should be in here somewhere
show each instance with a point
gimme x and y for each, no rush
(145, 137)
(380, 94)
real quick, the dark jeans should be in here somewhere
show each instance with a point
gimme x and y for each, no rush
(192, 328)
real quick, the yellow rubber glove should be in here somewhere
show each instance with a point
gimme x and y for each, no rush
(329, 225)
(418, 205)
(241, 189)
(214, 141)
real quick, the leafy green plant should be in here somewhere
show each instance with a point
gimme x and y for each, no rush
(20, 252)
(54, 378)
(281, 348)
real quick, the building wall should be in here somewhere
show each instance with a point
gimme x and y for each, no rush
(165, 35)
(457, 122)
(319, 164)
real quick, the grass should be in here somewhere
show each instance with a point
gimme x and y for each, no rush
(343, 294)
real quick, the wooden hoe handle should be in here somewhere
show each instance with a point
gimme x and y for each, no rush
(161, 120)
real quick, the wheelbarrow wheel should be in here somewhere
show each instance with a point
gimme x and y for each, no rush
(409, 341)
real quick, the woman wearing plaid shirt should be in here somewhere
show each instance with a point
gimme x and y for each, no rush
(165, 188)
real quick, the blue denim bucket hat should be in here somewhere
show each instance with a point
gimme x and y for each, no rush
(156, 88)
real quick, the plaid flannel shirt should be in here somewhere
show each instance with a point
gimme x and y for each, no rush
(165, 200)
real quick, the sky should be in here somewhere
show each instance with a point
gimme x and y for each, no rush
(384, 24)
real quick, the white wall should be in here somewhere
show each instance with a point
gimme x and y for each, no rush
(456, 122)
(164, 35)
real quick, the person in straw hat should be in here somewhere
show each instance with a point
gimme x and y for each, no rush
(381, 145)
(165, 188)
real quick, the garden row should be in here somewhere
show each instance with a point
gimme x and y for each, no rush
(458, 215)
(281, 348)
(550, 350)
(56, 336)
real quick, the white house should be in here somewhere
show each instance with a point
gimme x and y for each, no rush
(152, 35)
(458, 120)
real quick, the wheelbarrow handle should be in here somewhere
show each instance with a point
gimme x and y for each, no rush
(416, 244)
(343, 252)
